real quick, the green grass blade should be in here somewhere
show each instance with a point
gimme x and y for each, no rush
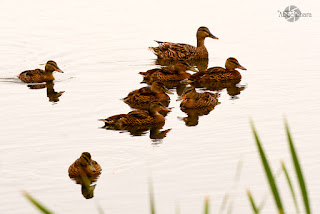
(290, 185)
(206, 205)
(268, 172)
(253, 205)
(151, 196)
(36, 203)
(298, 170)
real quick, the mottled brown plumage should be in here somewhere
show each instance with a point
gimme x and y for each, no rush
(193, 99)
(38, 75)
(84, 166)
(137, 117)
(176, 51)
(217, 74)
(141, 98)
(176, 72)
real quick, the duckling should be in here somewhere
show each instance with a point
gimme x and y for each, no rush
(193, 99)
(84, 166)
(38, 75)
(137, 117)
(141, 98)
(175, 72)
(220, 74)
(176, 51)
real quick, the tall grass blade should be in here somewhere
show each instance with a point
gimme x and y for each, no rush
(206, 205)
(298, 170)
(36, 203)
(253, 205)
(290, 186)
(224, 203)
(151, 196)
(268, 172)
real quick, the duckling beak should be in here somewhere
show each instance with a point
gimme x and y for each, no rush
(191, 68)
(242, 68)
(165, 109)
(182, 98)
(58, 70)
(167, 91)
(213, 37)
(92, 167)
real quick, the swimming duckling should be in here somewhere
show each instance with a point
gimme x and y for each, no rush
(176, 51)
(175, 72)
(216, 74)
(38, 75)
(84, 166)
(193, 99)
(138, 117)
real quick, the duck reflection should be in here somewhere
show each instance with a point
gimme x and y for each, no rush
(85, 172)
(141, 98)
(138, 122)
(51, 93)
(200, 64)
(197, 104)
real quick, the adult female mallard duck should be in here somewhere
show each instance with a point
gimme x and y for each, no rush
(38, 75)
(141, 98)
(220, 74)
(193, 99)
(84, 166)
(175, 72)
(176, 51)
(137, 117)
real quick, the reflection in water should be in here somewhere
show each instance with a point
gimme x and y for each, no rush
(139, 130)
(51, 93)
(232, 86)
(201, 64)
(194, 114)
(85, 172)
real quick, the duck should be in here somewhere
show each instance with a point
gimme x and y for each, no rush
(138, 117)
(141, 98)
(178, 51)
(175, 72)
(219, 74)
(38, 75)
(192, 99)
(84, 167)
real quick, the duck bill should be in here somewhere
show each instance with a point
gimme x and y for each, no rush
(242, 68)
(58, 70)
(92, 167)
(212, 36)
(191, 68)
(165, 109)
(182, 98)
(168, 91)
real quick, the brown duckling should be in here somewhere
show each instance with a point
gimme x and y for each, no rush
(141, 98)
(193, 99)
(176, 51)
(175, 72)
(38, 75)
(220, 74)
(137, 117)
(84, 166)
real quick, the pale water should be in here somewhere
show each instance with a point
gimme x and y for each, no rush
(102, 46)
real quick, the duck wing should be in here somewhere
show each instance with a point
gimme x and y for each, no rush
(173, 51)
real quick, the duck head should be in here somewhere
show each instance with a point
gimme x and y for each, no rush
(232, 63)
(52, 66)
(85, 161)
(158, 87)
(189, 93)
(204, 32)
